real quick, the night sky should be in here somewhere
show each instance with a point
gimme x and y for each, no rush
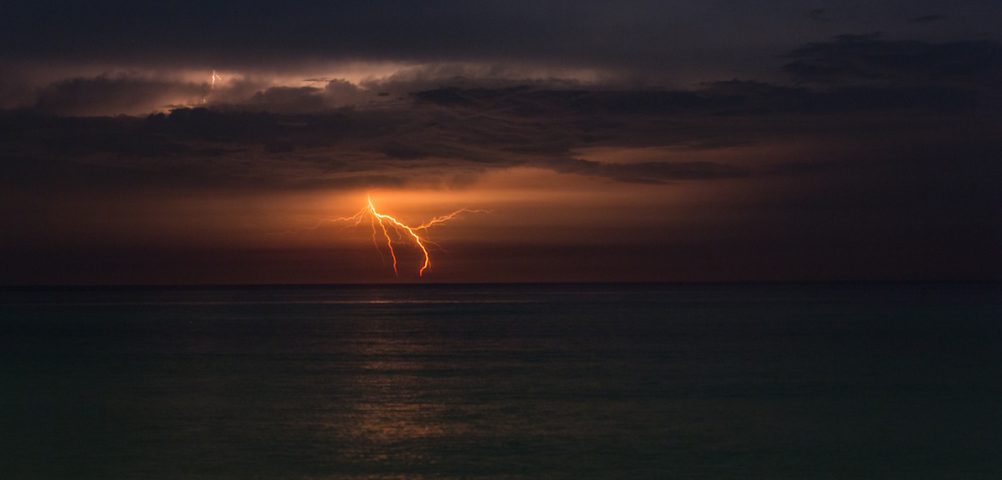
(594, 141)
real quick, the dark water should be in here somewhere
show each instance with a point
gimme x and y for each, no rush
(719, 381)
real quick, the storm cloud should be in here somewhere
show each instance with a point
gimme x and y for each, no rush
(343, 134)
(798, 129)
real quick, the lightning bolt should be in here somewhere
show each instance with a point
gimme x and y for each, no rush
(212, 85)
(391, 228)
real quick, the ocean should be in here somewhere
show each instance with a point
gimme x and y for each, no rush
(708, 381)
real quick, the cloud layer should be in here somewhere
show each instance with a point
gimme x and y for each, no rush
(877, 146)
(392, 132)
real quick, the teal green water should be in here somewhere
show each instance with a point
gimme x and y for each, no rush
(559, 381)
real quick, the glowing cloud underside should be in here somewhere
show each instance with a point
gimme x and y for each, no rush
(394, 230)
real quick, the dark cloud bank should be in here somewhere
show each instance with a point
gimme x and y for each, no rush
(340, 134)
(899, 141)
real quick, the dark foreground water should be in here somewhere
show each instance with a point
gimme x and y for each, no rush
(567, 381)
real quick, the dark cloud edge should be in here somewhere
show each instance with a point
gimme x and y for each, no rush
(296, 138)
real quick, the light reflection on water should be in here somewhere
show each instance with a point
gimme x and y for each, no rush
(556, 381)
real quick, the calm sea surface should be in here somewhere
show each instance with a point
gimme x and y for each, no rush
(559, 381)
